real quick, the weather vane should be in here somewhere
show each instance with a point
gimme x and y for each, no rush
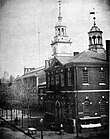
(59, 17)
(94, 13)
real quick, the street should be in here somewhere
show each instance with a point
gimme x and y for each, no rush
(6, 133)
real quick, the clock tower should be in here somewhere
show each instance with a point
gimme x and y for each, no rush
(61, 44)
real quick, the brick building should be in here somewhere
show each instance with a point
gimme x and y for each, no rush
(77, 87)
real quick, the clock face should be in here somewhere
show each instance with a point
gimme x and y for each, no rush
(64, 49)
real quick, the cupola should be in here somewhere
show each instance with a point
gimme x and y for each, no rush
(95, 38)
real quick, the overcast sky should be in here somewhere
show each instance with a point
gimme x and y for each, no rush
(20, 21)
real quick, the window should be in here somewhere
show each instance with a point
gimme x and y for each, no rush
(57, 78)
(94, 39)
(62, 78)
(86, 107)
(103, 106)
(48, 79)
(52, 78)
(34, 81)
(85, 76)
(58, 31)
(62, 32)
(101, 77)
(69, 77)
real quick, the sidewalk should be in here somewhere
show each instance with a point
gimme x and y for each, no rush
(54, 134)
(46, 134)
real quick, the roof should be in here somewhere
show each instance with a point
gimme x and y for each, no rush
(44, 83)
(36, 72)
(89, 57)
(64, 59)
(85, 57)
(95, 29)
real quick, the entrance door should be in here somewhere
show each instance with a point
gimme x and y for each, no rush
(58, 111)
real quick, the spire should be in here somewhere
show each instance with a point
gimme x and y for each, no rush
(59, 16)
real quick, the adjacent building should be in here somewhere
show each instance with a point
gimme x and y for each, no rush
(32, 78)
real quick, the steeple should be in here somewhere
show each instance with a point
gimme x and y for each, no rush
(59, 17)
(61, 43)
(95, 37)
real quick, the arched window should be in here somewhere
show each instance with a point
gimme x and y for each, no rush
(90, 40)
(52, 78)
(99, 40)
(69, 77)
(62, 32)
(62, 77)
(86, 107)
(103, 106)
(94, 39)
(57, 78)
(58, 31)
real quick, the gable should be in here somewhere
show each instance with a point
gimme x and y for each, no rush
(55, 63)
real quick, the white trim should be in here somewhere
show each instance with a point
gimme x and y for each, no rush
(67, 91)
(49, 91)
(88, 117)
(92, 91)
(85, 84)
(74, 91)
(102, 84)
(104, 115)
(91, 125)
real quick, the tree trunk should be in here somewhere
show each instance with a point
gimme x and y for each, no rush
(16, 113)
(11, 114)
(30, 113)
(6, 114)
(22, 118)
(2, 112)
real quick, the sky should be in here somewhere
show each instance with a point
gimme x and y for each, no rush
(20, 21)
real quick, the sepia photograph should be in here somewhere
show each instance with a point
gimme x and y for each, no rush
(54, 69)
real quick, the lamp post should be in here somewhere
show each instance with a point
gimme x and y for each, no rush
(41, 121)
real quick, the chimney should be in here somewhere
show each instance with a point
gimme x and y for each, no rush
(108, 57)
(24, 70)
(108, 50)
(75, 53)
